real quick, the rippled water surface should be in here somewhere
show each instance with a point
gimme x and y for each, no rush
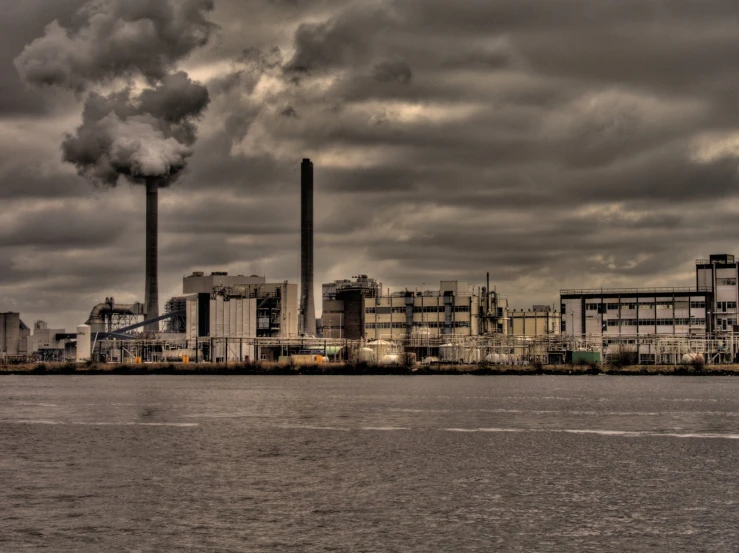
(421, 464)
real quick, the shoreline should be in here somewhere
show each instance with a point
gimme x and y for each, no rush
(345, 369)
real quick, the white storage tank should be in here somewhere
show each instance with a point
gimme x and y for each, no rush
(365, 355)
(379, 347)
(493, 358)
(83, 343)
(390, 359)
(690, 358)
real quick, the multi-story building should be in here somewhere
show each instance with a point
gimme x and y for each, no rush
(343, 306)
(719, 274)
(635, 311)
(454, 309)
(542, 320)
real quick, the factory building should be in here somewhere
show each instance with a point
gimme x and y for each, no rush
(635, 311)
(630, 320)
(541, 320)
(47, 343)
(14, 335)
(454, 309)
(277, 302)
(110, 316)
(343, 306)
(222, 324)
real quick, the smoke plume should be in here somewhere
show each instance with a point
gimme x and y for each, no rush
(139, 134)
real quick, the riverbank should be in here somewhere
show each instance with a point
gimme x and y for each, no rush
(359, 369)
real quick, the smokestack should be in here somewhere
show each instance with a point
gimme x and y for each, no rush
(151, 297)
(307, 306)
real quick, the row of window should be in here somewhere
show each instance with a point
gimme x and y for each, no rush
(648, 305)
(416, 309)
(657, 322)
(432, 324)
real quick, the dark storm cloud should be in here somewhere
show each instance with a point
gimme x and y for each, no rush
(555, 144)
(392, 71)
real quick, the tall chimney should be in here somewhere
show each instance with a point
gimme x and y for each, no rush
(151, 296)
(307, 306)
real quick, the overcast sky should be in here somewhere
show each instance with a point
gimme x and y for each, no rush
(554, 143)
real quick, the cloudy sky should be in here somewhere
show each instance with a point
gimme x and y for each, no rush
(554, 143)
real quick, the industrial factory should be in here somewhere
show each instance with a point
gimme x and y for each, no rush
(221, 318)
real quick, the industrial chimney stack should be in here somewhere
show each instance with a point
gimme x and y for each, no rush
(307, 306)
(151, 297)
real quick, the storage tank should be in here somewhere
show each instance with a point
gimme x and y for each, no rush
(379, 347)
(493, 358)
(365, 355)
(390, 359)
(690, 358)
(83, 343)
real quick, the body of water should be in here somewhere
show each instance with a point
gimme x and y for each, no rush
(369, 464)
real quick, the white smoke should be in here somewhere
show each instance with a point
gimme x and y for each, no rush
(148, 134)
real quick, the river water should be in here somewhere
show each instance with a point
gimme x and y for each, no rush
(369, 464)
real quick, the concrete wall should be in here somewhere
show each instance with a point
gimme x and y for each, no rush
(534, 323)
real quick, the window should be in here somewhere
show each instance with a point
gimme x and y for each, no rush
(398, 310)
(592, 306)
(461, 308)
(612, 306)
(697, 304)
(369, 310)
(646, 305)
(631, 305)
